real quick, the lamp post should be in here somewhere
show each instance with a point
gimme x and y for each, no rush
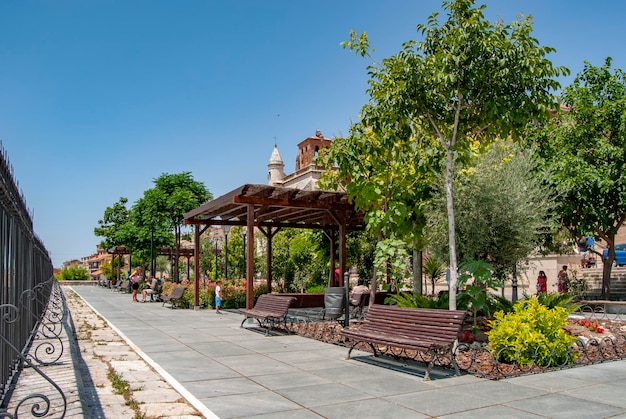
(346, 304)
(152, 253)
(226, 229)
(216, 240)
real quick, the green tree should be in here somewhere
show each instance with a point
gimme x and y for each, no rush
(359, 252)
(302, 258)
(236, 268)
(503, 208)
(283, 269)
(466, 83)
(360, 248)
(172, 196)
(150, 229)
(383, 168)
(109, 226)
(74, 272)
(434, 269)
(584, 147)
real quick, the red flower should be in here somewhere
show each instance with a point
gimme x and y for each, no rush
(467, 336)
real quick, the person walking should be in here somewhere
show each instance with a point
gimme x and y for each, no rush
(135, 278)
(218, 297)
(562, 279)
(542, 283)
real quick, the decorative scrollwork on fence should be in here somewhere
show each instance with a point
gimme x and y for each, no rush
(45, 348)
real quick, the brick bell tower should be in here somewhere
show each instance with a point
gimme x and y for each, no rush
(309, 148)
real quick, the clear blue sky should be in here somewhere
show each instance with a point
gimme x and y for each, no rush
(98, 98)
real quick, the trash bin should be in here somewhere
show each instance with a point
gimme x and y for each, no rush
(334, 300)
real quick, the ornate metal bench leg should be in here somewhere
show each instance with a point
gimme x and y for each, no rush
(374, 349)
(427, 374)
(350, 350)
(355, 343)
(453, 360)
(433, 355)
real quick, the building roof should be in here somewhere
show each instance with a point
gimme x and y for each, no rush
(279, 207)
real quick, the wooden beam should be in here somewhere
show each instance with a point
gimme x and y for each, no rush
(291, 203)
(250, 259)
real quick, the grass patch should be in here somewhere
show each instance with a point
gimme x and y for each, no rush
(122, 387)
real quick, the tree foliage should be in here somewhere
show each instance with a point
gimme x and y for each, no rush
(584, 148)
(166, 204)
(434, 269)
(466, 83)
(153, 218)
(503, 208)
(73, 272)
(111, 223)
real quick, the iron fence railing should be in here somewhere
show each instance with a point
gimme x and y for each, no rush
(26, 281)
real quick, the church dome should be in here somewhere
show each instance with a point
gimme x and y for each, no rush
(275, 158)
(275, 166)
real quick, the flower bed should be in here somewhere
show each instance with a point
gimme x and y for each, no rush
(475, 358)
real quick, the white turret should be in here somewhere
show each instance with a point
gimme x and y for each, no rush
(275, 168)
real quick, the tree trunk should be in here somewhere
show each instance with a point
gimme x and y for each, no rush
(452, 286)
(176, 253)
(608, 267)
(417, 271)
(606, 279)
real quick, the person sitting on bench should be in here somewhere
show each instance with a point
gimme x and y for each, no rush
(150, 289)
(359, 289)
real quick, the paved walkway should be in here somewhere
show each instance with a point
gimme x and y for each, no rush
(228, 372)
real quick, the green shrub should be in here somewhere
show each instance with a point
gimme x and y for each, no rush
(316, 288)
(532, 333)
(413, 299)
(235, 296)
(554, 299)
(73, 272)
(474, 285)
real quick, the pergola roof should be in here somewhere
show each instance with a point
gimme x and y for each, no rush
(279, 207)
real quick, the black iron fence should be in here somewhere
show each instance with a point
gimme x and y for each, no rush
(26, 282)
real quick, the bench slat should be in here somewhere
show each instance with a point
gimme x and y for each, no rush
(268, 307)
(409, 328)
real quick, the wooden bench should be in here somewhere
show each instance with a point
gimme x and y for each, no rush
(421, 329)
(269, 309)
(174, 298)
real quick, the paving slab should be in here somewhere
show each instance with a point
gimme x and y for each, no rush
(563, 406)
(227, 371)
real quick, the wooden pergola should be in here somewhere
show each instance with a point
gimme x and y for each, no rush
(172, 254)
(120, 252)
(270, 208)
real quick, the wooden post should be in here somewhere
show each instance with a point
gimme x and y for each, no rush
(196, 267)
(250, 259)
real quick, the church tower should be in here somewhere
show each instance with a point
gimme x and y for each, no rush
(308, 150)
(275, 168)
(307, 173)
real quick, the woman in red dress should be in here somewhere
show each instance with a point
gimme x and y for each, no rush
(542, 283)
